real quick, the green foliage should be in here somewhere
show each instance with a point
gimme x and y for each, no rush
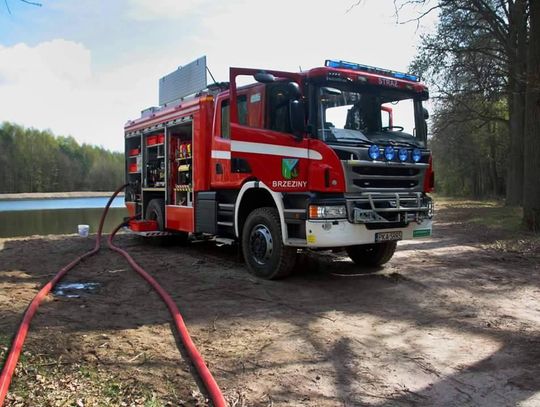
(37, 161)
(466, 64)
(470, 154)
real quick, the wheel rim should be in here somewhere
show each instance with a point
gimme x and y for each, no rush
(260, 244)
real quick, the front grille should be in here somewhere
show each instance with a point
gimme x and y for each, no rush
(385, 183)
(369, 176)
(386, 171)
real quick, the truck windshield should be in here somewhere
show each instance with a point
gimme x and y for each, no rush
(365, 115)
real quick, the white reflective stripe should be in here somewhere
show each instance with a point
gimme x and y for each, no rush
(274, 149)
(226, 155)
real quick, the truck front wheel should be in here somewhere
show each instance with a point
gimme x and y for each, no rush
(372, 255)
(262, 246)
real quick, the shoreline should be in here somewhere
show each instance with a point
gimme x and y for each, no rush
(55, 195)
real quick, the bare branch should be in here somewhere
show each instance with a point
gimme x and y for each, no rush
(504, 6)
(32, 3)
(353, 6)
(422, 15)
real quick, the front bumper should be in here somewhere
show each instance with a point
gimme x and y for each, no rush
(339, 233)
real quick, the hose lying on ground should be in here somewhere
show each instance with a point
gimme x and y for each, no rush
(205, 375)
(18, 341)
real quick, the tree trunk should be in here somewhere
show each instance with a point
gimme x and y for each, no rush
(517, 68)
(514, 181)
(531, 191)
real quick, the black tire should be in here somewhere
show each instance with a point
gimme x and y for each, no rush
(178, 239)
(156, 211)
(264, 253)
(372, 255)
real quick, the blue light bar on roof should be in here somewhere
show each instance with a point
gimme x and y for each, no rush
(366, 68)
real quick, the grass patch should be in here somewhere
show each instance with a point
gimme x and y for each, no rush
(463, 203)
(489, 213)
(152, 401)
(500, 217)
(495, 216)
(43, 381)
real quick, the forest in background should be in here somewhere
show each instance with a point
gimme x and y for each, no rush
(482, 65)
(38, 161)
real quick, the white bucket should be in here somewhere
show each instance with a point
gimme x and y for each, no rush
(83, 230)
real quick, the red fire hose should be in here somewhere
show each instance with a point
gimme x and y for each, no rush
(18, 342)
(205, 375)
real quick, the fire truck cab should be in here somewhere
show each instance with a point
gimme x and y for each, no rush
(325, 158)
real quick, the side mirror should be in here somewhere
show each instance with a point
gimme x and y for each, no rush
(426, 113)
(294, 90)
(297, 118)
(264, 77)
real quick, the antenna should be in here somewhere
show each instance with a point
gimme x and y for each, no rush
(212, 76)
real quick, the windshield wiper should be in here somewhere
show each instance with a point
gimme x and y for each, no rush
(352, 139)
(403, 143)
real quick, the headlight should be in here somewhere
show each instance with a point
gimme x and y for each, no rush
(389, 153)
(416, 155)
(374, 152)
(327, 212)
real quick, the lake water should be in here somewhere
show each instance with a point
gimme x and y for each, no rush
(60, 203)
(57, 216)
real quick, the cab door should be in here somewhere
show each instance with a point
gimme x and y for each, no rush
(269, 151)
(226, 172)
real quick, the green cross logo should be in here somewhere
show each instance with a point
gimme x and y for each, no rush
(289, 168)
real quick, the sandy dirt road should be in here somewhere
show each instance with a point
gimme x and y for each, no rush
(450, 321)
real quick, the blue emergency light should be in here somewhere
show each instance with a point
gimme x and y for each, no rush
(374, 151)
(389, 153)
(403, 154)
(416, 155)
(371, 69)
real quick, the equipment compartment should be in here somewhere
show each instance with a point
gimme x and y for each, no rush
(181, 170)
(155, 161)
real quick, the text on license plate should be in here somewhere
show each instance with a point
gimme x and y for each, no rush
(388, 236)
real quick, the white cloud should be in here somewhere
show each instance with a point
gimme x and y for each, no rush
(52, 86)
(144, 10)
(286, 34)
(54, 59)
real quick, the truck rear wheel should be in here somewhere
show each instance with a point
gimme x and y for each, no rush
(156, 211)
(262, 246)
(372, 255)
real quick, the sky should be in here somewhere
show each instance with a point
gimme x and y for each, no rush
(84, 68)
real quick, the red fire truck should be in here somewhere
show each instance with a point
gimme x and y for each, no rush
(332, 157)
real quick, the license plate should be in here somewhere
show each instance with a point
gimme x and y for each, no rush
(388, 236)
